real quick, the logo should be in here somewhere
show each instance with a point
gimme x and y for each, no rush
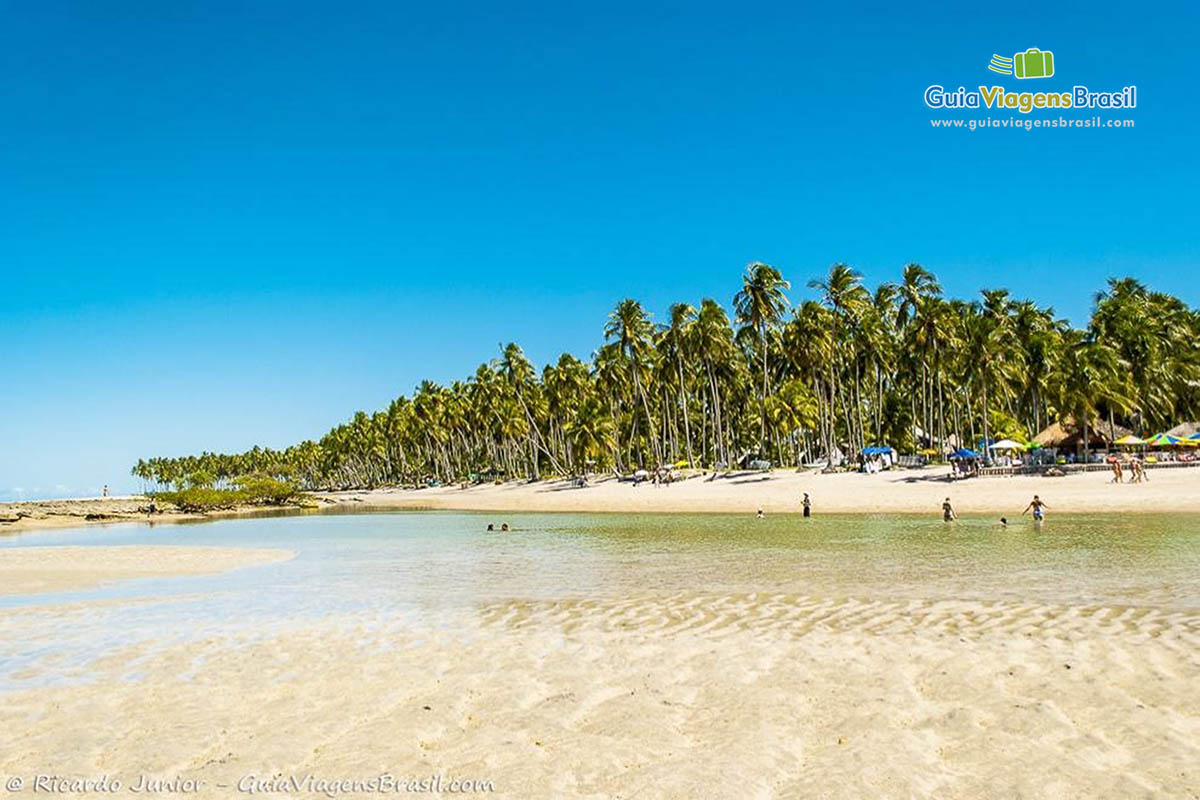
(1033, 63)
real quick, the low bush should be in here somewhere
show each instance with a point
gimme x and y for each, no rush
(250, 490)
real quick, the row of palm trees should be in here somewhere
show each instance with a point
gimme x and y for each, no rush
(901, 365)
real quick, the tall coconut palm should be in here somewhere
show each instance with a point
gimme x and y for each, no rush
(713, 345)
(842, 291)
(630, 328)
(1087, 375)
(675, 342)
(845, 364)
(761, 304)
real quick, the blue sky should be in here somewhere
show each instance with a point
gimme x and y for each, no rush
(234, 223)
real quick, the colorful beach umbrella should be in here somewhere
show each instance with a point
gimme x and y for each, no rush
(1163, 440)
(1130, 439)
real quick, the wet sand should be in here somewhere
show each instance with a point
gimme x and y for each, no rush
(695, 695)
(27, 570)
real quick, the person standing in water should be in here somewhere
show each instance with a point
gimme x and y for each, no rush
(948, 514)
(1038, 507)
(807, 505)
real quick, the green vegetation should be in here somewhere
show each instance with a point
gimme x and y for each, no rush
(197, 494)
(901, 365)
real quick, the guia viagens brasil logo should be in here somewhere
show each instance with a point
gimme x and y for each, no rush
(1027, 65)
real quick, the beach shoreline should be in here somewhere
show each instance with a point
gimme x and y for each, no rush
(901, 491)
(908, 491)
(38, 515)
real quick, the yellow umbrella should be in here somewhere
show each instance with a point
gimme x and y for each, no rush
(1129, 440)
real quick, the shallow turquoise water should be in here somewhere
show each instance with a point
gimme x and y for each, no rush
(429, 569)
(377, 560)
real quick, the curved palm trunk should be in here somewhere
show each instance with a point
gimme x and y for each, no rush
(762, 431)
(649, 419)
(984, 398)
(687, 431)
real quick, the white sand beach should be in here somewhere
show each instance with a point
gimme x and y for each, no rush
(916, 491)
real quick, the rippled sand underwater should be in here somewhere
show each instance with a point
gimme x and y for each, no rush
(648, 656)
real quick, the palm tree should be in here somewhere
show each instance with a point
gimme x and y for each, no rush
(992, 365)
(761, 305)
(1087, 375)
(591, 432)
(675, 342)
(849, 366)
(919, 315)
(713, 345)
(841, 290)
(632, 330)
(793, 409)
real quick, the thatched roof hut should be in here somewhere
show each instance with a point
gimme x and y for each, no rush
(1184, 429)
(1067, 434)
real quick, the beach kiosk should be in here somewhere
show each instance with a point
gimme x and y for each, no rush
(875, 459)
(964, 463)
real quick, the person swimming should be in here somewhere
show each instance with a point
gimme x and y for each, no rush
(948, 514)
(504, 528)
(807, 505)
(1038, 507)
(760, 514)
(491, 527)
(1004, 521)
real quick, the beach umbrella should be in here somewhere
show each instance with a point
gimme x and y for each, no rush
(1163, 440)
(1129, 440)
(1195, 437)
(1007, 444)
(964, 452)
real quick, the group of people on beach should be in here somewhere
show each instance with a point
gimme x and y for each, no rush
(1036, 505)
(1137, 470)
(805, 503)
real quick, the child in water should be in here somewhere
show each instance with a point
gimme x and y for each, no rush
(948, 514)
(1038, 507)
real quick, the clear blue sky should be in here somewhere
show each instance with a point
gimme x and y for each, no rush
(224, 224)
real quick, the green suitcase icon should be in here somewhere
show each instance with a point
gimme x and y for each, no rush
(1033, 63)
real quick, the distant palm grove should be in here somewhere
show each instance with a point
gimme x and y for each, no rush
(901, 366)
